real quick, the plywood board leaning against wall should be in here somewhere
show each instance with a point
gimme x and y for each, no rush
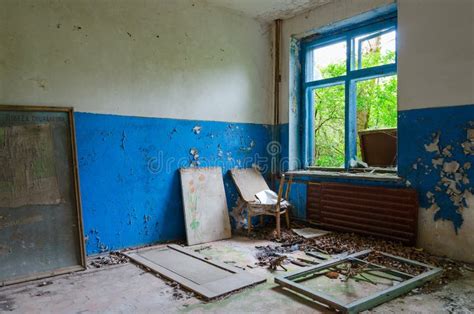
(205, 205)
(40, 216)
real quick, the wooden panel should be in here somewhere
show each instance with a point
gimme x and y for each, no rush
(205, 205)
(382, 212)
(40, 214)
(193, 271)
(249, 182)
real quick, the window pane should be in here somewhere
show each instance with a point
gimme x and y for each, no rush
(375, 49)
(329, 61)
(329, 125)
(377, 110)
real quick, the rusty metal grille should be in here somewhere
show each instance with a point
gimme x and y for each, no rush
(388, 213)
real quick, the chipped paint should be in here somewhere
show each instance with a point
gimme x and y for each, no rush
(433, 146)
(197, 129)
(441, 171)
(135, 198)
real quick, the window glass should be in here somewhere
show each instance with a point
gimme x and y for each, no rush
(375, 49)
(329, 61)
(376, 105)
(329, 126)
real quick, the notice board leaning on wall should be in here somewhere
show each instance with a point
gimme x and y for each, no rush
(40, 212)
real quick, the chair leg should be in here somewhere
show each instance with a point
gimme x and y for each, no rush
(249, 223)
(287, 216)
(277, 218)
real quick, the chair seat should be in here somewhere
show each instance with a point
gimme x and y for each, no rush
(260, 209)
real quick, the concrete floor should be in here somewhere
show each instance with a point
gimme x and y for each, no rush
(126, 288)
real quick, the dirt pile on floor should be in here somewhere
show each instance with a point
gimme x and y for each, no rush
(113, 258)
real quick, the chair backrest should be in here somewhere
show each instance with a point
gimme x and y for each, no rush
(249, 182)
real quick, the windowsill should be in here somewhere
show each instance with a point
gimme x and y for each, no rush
(342, 173)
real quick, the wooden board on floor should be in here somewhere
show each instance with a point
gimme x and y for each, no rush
(210, 279)
(205, 205)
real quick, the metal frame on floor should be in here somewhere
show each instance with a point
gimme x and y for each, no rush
(410, 282)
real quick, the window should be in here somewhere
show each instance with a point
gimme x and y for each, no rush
(349, 81)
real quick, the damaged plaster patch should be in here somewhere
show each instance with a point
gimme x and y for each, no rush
(248, 148)
(468, 146)
(195, 157)
(122, 141)
(433, 146)
(237, 215)
(41, 83)
(220, 152)
(197, 129)
(451, 167)
(448, 198)
(437, 162)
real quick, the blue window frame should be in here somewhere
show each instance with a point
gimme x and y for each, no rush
(354, 37)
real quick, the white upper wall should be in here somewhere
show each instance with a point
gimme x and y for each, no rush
(302, 24)
(176, 59)
(436, 53)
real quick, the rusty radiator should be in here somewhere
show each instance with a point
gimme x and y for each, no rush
(387, 213)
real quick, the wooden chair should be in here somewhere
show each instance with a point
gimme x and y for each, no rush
(249, 182)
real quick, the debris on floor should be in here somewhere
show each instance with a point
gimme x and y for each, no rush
(277, 262)
(113, 258)
(332, 244)
(332, 274)
(459, 303)
(309, 233)
(202, 248)
(273, 256)
(45, 283)
(178, 292)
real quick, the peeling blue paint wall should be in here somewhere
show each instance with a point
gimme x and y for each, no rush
(129, 180)
(130, 186)
(417, 129)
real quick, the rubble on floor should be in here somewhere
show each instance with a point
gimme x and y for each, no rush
(328, 245)
(459, 303)
(274, 255)
(179, 293)
(113, 258)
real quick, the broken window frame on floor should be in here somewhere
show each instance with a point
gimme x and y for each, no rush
(289, 281)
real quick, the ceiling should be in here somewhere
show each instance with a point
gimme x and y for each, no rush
(269, 10)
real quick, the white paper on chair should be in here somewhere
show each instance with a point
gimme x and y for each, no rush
(268, 197)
